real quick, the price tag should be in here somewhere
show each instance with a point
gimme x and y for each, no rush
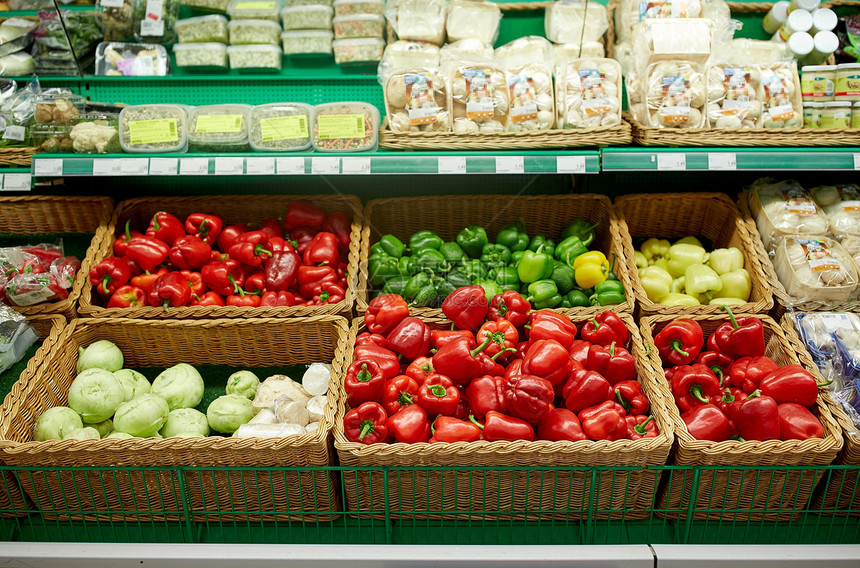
(857, 161)
(356, 165)
(509, 165)
(194, 166)
(49, 167)
(229, 166)
(107, 167)
(291, 166)
(163, 166)
(570, 165)
(260, 166)
(672, 162)
(452, 165)
(719, 161)
(16, 182)
(135, 166)
(325, 166)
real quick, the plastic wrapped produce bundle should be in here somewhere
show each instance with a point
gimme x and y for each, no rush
(525, 50)
(631, 12)
(733, 97)
(682, 39)
(471, 19)
(418, 20)
(564, 52)
(815, 268)
(563, 22)
(416, 101)
(784, 208)
(406, 55)
(782, 106)
(841, 204)
(674, 95)
(452, 54)
(589, 93)
(532, 102)
(479, 99)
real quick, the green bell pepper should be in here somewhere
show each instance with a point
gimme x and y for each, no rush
(736, 284)
(491, 288)
(683, 255)
(608, 293)
(452, 252)
(674, 299)
(495, 255)
(516, 257)
(563, 276)
(678, 285)
(535, 266)
(540, 240)
(392, 245)
(396, 285)
(580, 229)
(430, 259)
(474, 269)
(575, 299)
(726, 260)
(381, 268)
(656, 282)
(514, 235)
(570, 248)
(655, 249)
(472, 240)
(700, 279)
(443, 288)
(376, 248)
(426, 296)
(543, 294)
(415, 285)
(506, 276)
(423, 240)
(458, 278)
(690, 240)
(406, 266)
(641, 261)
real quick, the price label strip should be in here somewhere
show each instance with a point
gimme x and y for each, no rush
(163, 166)
(260, 166)
(48, 167)
(510, 165)
(135, 166)
(290, 166)
(672, 162)
(107, 167)
(17, 182)
(570, 165)
(357, 166)
(452, 165)
(229, 166)
(325, 166)
(720, 161)
(194, 166)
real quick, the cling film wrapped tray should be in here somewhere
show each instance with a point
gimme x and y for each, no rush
(630, 12)
(418, 20)
(345, 127)
(416, 101)
(588, 93)
(402, 55)
(566, 22)
(532, 102)
(479, 98)
(782, 105)
(841, 204)
(782, 208)
(469, 19)
(733, 101)
(815, 268)
(672, 95)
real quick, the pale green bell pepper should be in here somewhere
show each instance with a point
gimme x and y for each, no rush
(736, 284)
(726, 260)
(655, 249)
(726, 301)
(641, 261)
(656, 282)
(683, 255)
(701, 279)
(690, 240)
(678, 285)
(675, 299)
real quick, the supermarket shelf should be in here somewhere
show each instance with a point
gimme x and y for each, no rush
(730, 159)
(682, 556)
(35, 13)
(56, 165)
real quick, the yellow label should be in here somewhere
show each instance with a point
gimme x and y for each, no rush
(812, 86)
(219, 123)
(848, 86)
(818, 256)
(284, 128)
(835, 120)
(855, 119)
(339, 126)
(153, 131)
(256, 6)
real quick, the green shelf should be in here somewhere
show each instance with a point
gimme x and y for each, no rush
(729, 159)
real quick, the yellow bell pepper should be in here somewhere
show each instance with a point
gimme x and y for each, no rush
(590, 269)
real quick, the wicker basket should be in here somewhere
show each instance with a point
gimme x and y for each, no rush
(728, 492)
(17, 157)
(158, 494)
(234, 209)
(454, 493)
(839, 491)
(544, 214)
(710, 215)
(39, 215)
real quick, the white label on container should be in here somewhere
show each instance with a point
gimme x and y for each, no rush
(153, 23)
(135, 166)
(833, 322)
(291, 166)
(721, 161)
(857, 161)
(325, 166)
(194, 166)
(509, 165)
(356, 165)
(16, 182)
(163, 166)
(111, 3)
(260, 166)
(229, 166)
(452, 165)
(18, 133)
(49, 167)
(107, 167)
(570, 164)
(672, 162)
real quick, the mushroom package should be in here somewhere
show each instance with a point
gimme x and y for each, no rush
(815, 268)
(588, 93)
(532, 106)
(784, 208)
(780, 97)
(841, 203)
(415, 101)
(675, 95)
(733, 96)
(479, 99)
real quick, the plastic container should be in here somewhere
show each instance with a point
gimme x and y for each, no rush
(201, 56)
(468, 19)
(281, 127)
(118, 59)
(800, 45)
(219, 128)
(336, 127)
(359, 26)
(51, 138)
(815, 268)
(219, 6)
(823, 20)
(808, 5)
(855, 115)
(809, 116)
(307, 42)
(817, 82)
(255, 10)
(254, 32)
(797, 21)
(418, 20)
(775, 17)
(785, 208)
(825, 44)
(847, 82)
(836, 115)
(416, 101)
(359, 51)
(307, 17)
(57, 107)
(204, 29)
(352, 7)
(151, 129)
(249, 58)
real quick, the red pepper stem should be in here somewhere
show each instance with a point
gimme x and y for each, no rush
(233, 282)
(824, 384)
(612, 349)
(621, 400)
(364, 375)
(755, 394)
(718, 372)
(105, 279)
(155, 224)
(128, 230)
(696, 391)
(728, 398)
(426, 367)
(481, 347)
(201, 228)
(500, 353)
(640, 428)
(731, 316)
(260, 249)
(503, 308)
(366, 428)
(405, 399)
(437, 390)
(676, 346)
(475, 422)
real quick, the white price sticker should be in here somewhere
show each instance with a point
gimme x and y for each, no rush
(722, 161)
(135, 166)
(291, 166)
(356, 165)
(49, 167)
(229, 166)
(325, 166)
(672, 162)
(570, 165)
(194, 166)
(111, 3)
(509, 165)
(452, 165)
(163, 166)
(260, 166)
(16, 182)
(107, 167)
(857, 161)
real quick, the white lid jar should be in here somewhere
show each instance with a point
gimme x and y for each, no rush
(847, 82)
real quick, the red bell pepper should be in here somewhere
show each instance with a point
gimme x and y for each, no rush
(693, 385)
(398, 392)
(641, 426)
(322, 250)
(718, 363)
(486, 394)
(514, 369)
(278, 244)
(328, 293)
(615, 363)
(529, 397)
(205, 226)
(243, 299)
(128, 297)
(796, 422)
(548, 359)
(680, 342)
(170, 290)
(561, 425)
(272, 228)
(165, 227)
(385, 358)
(463, 411)
(606, 328)
(727, 397)
(504, 334)
(579, 351)
(747, 372)
(791, 383)
(311, 278)
(606, 421)
(501, 427)
(441, 337)
(511, 306)
(146, 280)
(367, 424)
(277, 299)
(707, 422)
(224, 277)
(146, 252)
(740, 337)
(254, 284)
(411, 338)
(363, 382)
(460, 363)
(420, 369)
(467, 307)
(385, 312)
(756, 418)
(121, 243)
(371, 339)
(251, 248)
(301, 237)
(208, 299)
(302, 213)
(195, 282)
(281, 270)
(409, 425)
(228, 235)
(108, 275)
(449, 429)
(629, 395)
(340, 225)
(544, 324)
(32, 265)
(585, 389)
(189, 252)
(489, 366)
(438, 395)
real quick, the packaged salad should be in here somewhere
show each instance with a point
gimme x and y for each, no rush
(281, 127)
(307, 42)
(153, 129)
(219, 128)
(345, 127)
(201, 56)
(254, 32)
(352, 7)
(307, 17)
(204, 29)
(255, 58)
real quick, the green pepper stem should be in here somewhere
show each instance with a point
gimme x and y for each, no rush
(754, 394)
(481, 347)
(475, 422)
(105, 279)
(640, 428)
(366, 428)
(824, 384)
(731, 316)
(621, 400)
(260, 249)
(364, 375)
(676, 346)
(728, 397)
(128, 230)
(612, 349)
(497, 355)
(696, 391)
(155, 224)
(718, 373)
(503, 308)
(426, 368)
(405, 399)
(437, 390)
(233, 282)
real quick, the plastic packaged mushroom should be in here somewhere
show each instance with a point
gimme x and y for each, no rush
(572, 22)
(255, 10)
(307, 42)
(203, 29)
(255, 58)
(57, 106)
(674, 95)
(815, 268)
(588, 93)
(525, 50)
(564, 52)
(358, 51)
(785, 208)
(473, 19)
(418, 20)
(531, 95)
(841, 204)
(407, 55)
(345, 127)
(733, 97)
(350, 7)
(416, 101)
(682, 39)
(153, 129)
(254, 32)
(479, 99)
(219, 128)
(358, 26)
(782, 105)
(452, 54)
(201, 56)
(631, 12)
(307, 17)
(281, 127)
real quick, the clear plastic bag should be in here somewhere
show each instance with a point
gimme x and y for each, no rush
(416, 101)
(118, 17)
(473, 19)
(453, 54)
(785, 208)
(418, 20)
(732, 97)
(155, 21)
(841, 204)
(675, 95)
(16, 336)
(758, 52)
(525, 50)
(572, 22)
(782, 106)
(406, 55)
(682, 39)
(531, 95)
(132, 60)
(479, 99)
(589, 93)
(631, 12)
(815, 268)
(564, 52)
